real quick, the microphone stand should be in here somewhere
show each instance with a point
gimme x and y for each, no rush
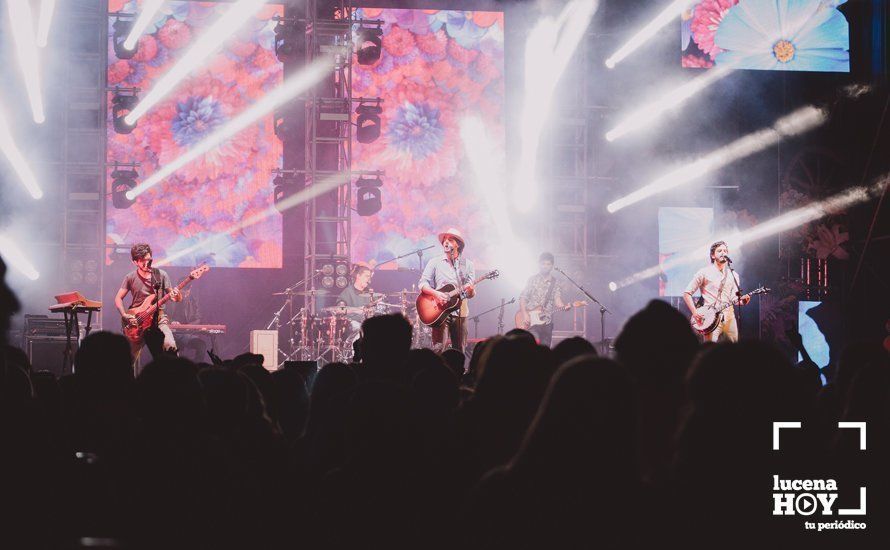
(603, 310)
(419, 253)
(476, 317)
(738, 291)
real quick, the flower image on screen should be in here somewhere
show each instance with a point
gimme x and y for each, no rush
(229, 183)
(772, 35)
(436, 67)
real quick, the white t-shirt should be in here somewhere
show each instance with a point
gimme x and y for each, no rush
(707, 280)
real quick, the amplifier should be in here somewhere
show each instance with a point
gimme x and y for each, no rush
(43, 325)
(48, 353)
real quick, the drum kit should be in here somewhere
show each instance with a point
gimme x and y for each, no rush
(329, 334)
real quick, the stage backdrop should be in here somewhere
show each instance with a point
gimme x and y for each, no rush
(436, 68)
(230, 183)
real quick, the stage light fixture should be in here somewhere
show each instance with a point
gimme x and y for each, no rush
(284, 187)
(121, 104)
(334, 274)
(368, 199)
(286, 39)
(369, 44)
(147, 15)
(367, 123)
(122, 182)
(122, 28)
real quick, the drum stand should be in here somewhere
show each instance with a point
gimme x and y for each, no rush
(303, 352)
(334, 339)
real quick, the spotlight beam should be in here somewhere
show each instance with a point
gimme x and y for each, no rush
(17, 259)
(548, 51)
(512, 256)
(149, 10)
(304, 195)
(22, 24)
(47, 7)
(781, 223)
(17, 160)
(650, 113)
(798, 122)
(236, 16)
(291, 87)
(648, 31)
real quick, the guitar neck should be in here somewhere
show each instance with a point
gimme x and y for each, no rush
(476, 281)
(163, 299)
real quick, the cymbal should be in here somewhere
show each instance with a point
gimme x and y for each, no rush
(296, 293)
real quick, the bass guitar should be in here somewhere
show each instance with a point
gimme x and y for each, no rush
(538, 316)
(713, 314)
(146, 311)
(432, 314)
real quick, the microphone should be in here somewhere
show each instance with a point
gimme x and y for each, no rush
(728, 259)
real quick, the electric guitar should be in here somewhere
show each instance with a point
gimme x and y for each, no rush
(432, 314)
(713, 314)
(538, 316)
(146, 311)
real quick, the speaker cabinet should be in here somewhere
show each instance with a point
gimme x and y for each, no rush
(48, 353)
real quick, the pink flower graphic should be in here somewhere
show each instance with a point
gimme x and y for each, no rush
(398, 42)
(707, 17)
(175, 34)
(692, 61)
(147, 48)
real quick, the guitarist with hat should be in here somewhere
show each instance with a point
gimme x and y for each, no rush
(451, 267)
(145, 283)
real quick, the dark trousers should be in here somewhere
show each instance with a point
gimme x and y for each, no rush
(543, 333)
(457, 333)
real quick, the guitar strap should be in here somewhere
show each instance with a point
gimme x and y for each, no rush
(720, 290)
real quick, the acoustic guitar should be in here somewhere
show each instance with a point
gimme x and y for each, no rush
(539, 316)
(432, 314)
(146, 311)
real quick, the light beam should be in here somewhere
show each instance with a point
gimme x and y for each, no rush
(15, 258)
(47, 7)
(648, 31)
(236, 16)
(22, 24)
(304, 195)
(548, 51)
(650, 113)
(16, 159)
(149, 11)
(289, 88)
(781, 223)
(798, 122)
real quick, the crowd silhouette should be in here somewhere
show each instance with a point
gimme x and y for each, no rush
(515, 446)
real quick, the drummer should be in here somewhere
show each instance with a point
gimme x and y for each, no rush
(356, 294)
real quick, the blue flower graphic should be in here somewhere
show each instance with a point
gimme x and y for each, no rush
(785, 35)
(416, 129)
(460, 26)
(195, 118)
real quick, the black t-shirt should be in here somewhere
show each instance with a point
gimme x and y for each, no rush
(353, 298)
(140, 288)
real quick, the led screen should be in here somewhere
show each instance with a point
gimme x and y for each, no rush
(228, 184)
(772, 35)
